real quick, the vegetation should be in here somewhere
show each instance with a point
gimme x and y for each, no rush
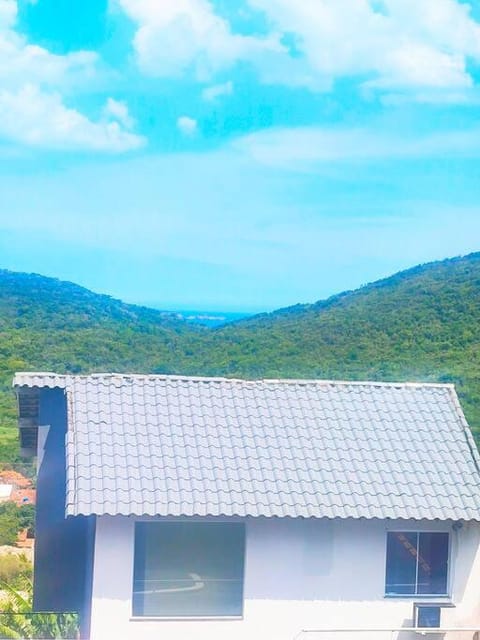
(9, 523)
(14, 519)
(17, 620)
(46, 324)
(15, 569)
(26, 518)
(421, 324)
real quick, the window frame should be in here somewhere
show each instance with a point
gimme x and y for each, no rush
(193, 520)
(418, 596)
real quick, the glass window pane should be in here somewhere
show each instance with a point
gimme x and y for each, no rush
(428, 617)
(401, 563)
(432, 563)
(188, 569)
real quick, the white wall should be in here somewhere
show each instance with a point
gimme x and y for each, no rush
(298, 574)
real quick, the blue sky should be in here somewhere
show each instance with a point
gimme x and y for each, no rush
(240, 154)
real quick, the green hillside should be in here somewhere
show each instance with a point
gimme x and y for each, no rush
(421, 324)
(47, 324)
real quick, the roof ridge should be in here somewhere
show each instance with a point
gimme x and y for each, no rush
(43, 373)
(287, 381)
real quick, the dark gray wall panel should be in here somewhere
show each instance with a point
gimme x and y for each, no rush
(63, 546)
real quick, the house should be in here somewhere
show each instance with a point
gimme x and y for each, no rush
(183, 508)
(15, 487)
(21, 488)
(5, 492)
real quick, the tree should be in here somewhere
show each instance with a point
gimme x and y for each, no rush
(26, 514)
(9, 523)
(17, 620)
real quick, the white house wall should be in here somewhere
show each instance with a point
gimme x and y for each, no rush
(299, 574)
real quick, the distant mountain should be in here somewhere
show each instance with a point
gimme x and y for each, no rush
(420, 324)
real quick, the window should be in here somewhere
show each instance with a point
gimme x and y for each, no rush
(188, 569)
(417, 563)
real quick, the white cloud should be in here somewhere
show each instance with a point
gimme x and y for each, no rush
(210, 94)
(33, 81)
(118, 110)
(40, 119)
(22, 62)
(188, 126)
(8, 13)
(303, 147)
(176, 36)
(386, 45)
(401, 44)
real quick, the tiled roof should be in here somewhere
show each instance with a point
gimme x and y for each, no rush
(164, 445)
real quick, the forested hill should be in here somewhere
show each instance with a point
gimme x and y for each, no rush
(421, 324)
(37, 302)
(47, 324)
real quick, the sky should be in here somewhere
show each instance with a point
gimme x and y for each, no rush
(237, 154)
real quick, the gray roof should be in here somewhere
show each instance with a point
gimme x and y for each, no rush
(166, 445)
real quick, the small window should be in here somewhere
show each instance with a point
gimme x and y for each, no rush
(188, 569)
(417, 563)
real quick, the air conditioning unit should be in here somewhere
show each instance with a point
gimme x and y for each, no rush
(427, 615)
